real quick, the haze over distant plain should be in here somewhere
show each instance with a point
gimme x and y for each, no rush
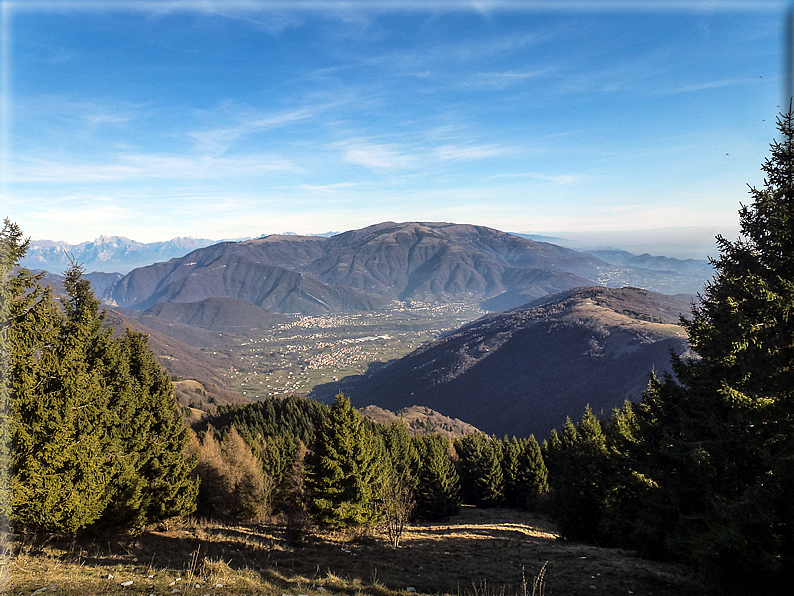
(585, 120)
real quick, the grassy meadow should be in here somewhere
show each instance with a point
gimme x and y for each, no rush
(481, 552)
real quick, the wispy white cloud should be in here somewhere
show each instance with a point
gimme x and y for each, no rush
(375, 155)
(218, 140)
(502, 80)
(553, 178)
(416, 151)
(435, 59)
(468, 152)
(705, 86)
(147, 166)
(46, 108)
(273, 22)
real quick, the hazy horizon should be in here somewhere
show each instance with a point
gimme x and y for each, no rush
(679, 243)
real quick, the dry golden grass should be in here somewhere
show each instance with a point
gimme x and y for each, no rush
(493, 552)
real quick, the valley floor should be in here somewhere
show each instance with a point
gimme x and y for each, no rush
(493, 552)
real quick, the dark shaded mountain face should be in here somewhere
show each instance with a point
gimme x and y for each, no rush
(443, 261)
(525, 370)
(217, 314)
(241, 271)
(362, 270)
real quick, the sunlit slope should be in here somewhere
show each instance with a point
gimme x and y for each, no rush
(184, 361)
(524, 370)
(441, 261)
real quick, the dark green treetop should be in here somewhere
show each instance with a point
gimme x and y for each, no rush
(345, 469)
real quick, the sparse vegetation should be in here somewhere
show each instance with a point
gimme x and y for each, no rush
(495, 552)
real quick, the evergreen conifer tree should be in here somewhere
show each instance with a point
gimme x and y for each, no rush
(511, 451)
(63, 459)
(402, 452)
(29, 321)
(715, 442)
(532, 478)
(95, 432)
(481, 476)
(165, 467)
(345, 469)
(579, 477)
(438, 485)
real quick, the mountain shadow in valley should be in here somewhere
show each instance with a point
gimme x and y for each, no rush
(523, 371)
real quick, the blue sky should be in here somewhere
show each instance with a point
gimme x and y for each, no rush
(227, 119)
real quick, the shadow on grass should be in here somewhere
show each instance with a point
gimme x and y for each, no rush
(476, 554)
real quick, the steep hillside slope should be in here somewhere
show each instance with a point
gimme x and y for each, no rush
(184, 361)
(217, 314)
(437, 261)
(524, 370)
(236, 273)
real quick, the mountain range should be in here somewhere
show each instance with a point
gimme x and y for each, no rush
(360, 270)
(363, 270)
(522, 371)
(107, 254)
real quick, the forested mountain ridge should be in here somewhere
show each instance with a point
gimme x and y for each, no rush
(437, 260)
(232, 271)
(362, 270)
(522, 371)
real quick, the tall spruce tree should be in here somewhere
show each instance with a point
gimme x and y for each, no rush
(511, 451)
(95, 432)
(481, 475)
(62, 459)
(716, 442)
(532, 479)
(28, 325)
(579, 477)
(402, 452)
(345, 469)
(154, 479)
(437, 484)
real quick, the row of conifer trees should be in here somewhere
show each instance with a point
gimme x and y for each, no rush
(353, 469)
(91, 436)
